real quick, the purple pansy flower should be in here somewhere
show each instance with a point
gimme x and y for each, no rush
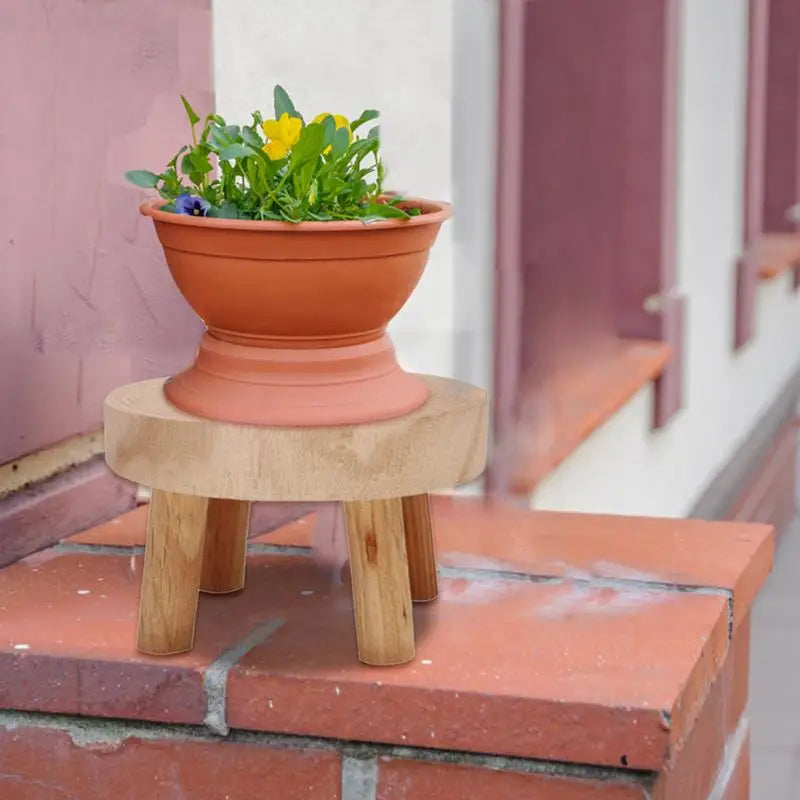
(193, 206)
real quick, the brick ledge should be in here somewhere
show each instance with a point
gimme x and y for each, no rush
(275, 645)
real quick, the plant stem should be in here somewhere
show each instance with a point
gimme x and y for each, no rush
(272, 195)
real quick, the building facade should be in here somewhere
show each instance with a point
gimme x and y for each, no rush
(619, 272)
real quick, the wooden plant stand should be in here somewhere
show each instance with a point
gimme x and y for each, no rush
(204, 475)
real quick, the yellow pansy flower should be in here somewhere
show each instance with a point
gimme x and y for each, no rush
(282, 133)
(341, 122)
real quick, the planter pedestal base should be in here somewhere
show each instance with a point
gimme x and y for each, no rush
(346, 385)
(205, 473)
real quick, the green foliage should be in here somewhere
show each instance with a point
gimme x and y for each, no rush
(143, 178)
(281, 169)
(283, 104)
(190, 112)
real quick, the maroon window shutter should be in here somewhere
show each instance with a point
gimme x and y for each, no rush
(782, 147)
(586, 195)
(748, 263)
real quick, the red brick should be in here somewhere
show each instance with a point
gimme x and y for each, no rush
(738, 787)
(518, 668)
(81, 659)
(105, 688)
(732, 556)
(502, 666)
(696, 765)
(417, 780)
(474, 533)
(740, 680)
(42, 764)
(67, 641)
(130, 529)
(126, 530)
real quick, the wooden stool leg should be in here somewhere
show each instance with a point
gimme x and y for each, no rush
(172, 562)
(420, 548)
(379, 574)
(225, 549)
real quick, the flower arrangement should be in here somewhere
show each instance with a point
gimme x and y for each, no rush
(281, 169)
(295, 314)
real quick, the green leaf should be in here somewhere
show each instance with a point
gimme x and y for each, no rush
(226, 210)
(329, 127)
(374, 133)
(341, 141)
(366, 116)
(251, 171)
(218, 139)
(283, 103)
(326, 176)
(309, 146)
(190, 112)
(305, 176)
(143, 178)
(251, 137)
(386, 211)
(199, 161)
(233, 151)
(335, 185)
(265, 213)
(360, 148)
(171, 185)
(254, 169)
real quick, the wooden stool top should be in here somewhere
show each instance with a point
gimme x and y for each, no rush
(439, 446)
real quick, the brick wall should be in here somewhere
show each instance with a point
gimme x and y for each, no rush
(569, 657)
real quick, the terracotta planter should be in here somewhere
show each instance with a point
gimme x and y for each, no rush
(296, 315)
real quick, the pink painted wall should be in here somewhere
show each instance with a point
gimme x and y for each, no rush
(89, 88)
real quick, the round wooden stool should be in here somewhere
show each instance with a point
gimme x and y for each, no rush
(205, 473)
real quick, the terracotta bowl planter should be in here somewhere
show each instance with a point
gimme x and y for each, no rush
(296, 315)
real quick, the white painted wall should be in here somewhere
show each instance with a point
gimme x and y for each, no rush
(474, 144)
(343, 57)
(623, 467)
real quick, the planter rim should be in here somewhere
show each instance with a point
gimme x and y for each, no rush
(437, 211)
